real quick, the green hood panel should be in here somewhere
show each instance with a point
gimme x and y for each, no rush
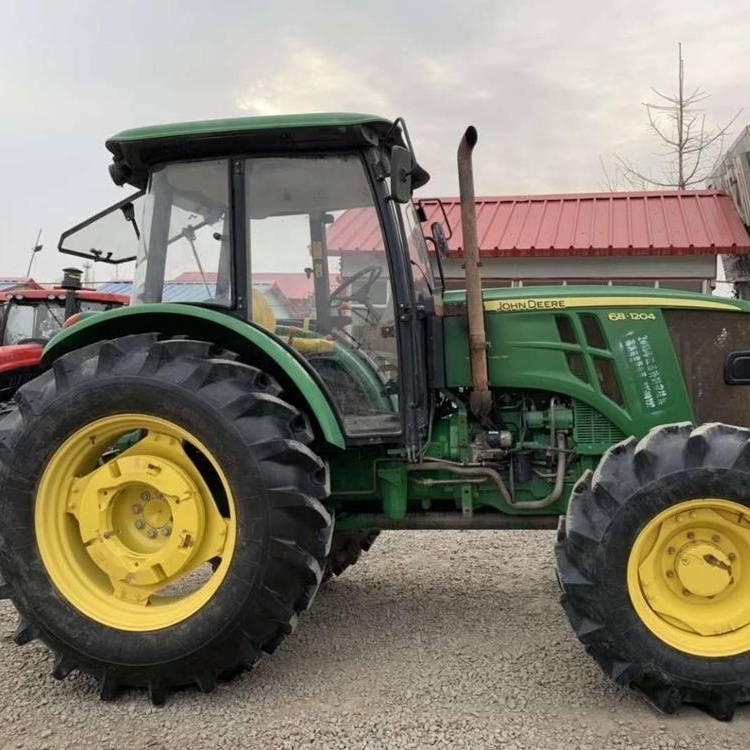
(551, 298)
(610, 348)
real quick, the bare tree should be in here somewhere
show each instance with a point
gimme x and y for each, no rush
(690, 149)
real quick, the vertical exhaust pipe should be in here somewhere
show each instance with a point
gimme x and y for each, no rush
(480, 400)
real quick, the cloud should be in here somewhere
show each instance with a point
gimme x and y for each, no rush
(313, 80)
(551, 86)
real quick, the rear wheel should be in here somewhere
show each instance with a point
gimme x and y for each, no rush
(346, 549)
(163, 523)
(654, 563)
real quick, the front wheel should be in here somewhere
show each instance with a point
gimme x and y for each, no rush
(162, 517)
(653, 559)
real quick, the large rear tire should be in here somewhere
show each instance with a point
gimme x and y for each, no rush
(162, 522)
(653, 560)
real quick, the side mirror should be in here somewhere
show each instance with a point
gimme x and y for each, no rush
(402, 165)
(439, 238)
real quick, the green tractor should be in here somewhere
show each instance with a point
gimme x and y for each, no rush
(178, 482)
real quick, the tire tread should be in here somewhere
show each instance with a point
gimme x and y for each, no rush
(276, 434)
(627, 469)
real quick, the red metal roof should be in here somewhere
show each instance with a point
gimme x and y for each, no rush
(357, 229)
(294, 286)
(17, 282)
(592, 224)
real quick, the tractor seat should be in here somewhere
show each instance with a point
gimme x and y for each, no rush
(299, 338)
(263, 314)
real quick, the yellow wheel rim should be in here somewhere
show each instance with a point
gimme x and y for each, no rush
(689, 577)
(136, 539)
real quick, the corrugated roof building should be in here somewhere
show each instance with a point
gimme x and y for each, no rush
(667, 238)
(9, 283)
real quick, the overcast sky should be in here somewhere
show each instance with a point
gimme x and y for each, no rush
(551, 86)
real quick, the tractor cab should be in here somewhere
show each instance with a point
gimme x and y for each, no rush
(221, 204)
(30, 318)
(34, 316)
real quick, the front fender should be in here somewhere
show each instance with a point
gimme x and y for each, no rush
(253, 344)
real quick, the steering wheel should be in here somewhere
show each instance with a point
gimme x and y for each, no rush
(371, 274)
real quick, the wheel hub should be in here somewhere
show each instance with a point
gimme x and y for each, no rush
(157, 513)
(128, 538)
(687, 577)
(133, 552)
(703, 569)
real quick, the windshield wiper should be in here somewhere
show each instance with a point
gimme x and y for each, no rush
(189, 234)
(52, 314)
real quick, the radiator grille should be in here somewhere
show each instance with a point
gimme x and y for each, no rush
(593, 432)
(702, 340)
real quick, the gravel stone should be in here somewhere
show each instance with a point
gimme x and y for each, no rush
(433, 640)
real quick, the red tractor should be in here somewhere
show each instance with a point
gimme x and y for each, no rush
(29, 318)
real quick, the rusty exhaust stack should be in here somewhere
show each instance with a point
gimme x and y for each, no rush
(480, 401)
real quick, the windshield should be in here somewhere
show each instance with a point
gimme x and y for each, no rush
(186, 211)
(111, 236)
(37, 321)
(34, 322)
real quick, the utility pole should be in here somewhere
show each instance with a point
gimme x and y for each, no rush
(681, 135)
(34, 250)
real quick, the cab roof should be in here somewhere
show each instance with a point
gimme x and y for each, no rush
(137, 150)
(246, 124)
(85, 295)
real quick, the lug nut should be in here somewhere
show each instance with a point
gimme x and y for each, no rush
(139, 524)
(167, 530)
(671, 550)
(151, 533)
(732, 557)
(685, 592)
(137, 509)
(716, 538)
(145, 496)
(690, 535)
(670, 574)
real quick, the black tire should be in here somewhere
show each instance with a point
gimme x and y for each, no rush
(283, 531)
(634, 483)
(12, 380)
(346, 549)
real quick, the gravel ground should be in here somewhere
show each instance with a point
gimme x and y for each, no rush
(435, 639)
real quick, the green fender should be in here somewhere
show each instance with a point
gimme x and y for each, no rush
(252, 343)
